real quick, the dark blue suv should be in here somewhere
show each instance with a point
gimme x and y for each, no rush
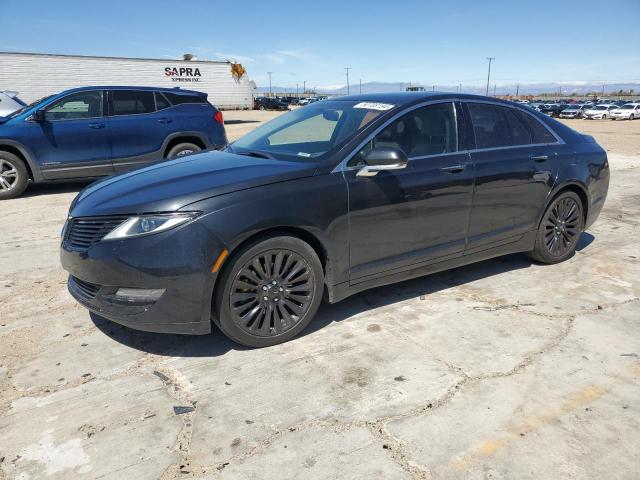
(95, 131)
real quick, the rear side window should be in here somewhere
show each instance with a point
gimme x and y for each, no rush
(539, 133)
(496, 126)
(132, 102)
(429, 130)
(180, 98)
(161, 101)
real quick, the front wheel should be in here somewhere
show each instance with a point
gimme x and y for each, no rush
(559, 230)
(269, 292)
(14, 176)
(632, 116)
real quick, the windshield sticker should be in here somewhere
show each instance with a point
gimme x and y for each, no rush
(304, 154)
(374, 106)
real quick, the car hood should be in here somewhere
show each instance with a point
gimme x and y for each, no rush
(170, 185)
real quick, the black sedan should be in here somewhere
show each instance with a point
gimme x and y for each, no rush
(267, 103)
(326, 201)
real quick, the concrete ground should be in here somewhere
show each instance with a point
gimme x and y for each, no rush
(499, 370)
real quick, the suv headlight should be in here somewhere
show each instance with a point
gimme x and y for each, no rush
(148, 224)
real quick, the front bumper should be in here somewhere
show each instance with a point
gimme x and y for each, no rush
(178, 261)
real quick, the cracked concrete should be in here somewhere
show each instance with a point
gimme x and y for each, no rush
(503, 369)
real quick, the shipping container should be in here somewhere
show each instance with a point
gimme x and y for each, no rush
(37, 75)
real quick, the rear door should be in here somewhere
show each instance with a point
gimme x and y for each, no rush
(515, 160)
(73, 139)
(137, 129)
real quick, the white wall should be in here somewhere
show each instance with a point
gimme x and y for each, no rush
(36, 76)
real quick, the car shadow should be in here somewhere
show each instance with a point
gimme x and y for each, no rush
(216, 344)
(54, 188)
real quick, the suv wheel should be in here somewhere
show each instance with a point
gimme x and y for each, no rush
(269, 292)
(560, 229)
(183, 149)
(14, 176)
(262, 107)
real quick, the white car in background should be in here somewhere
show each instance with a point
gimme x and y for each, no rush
(601, 111)
(628, 111)
(9, 102)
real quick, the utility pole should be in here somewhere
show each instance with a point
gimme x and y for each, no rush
(459, 88)
(347, 69)
(297, 90)
(304, 87)
(489, 73)
(360, 86)
(517, 89)
(270, 94)
(494, 89)
(433, 88)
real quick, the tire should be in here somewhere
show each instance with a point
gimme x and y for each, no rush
(183, 149)
(262, 108)
(604, 116)
(253, 311)
(14, 176)
(560, 229)
(632, 117)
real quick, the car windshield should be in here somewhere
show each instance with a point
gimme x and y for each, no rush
(312, 131)
(25, 108)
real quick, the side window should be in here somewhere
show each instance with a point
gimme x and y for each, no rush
(495, 126)
(76, 106)
(539, 133)
(132, 102)
(180, 98)
(429, 130)
(161, 101)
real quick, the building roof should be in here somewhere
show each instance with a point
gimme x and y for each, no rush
(166, 60)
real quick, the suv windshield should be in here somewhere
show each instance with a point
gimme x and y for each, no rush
(312, 131)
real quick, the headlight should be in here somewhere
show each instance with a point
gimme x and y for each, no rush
(147, 224)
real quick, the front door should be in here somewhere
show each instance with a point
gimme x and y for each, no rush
(419, 214)
(73, 139)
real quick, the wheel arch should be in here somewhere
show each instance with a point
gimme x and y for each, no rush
(23, 154)
(305, 235)
(184, 137)
(570, 186)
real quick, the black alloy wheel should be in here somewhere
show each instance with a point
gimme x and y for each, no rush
(560, 229)
(269, 291)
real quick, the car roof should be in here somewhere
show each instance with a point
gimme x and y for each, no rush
(124, 87)
(406, 98)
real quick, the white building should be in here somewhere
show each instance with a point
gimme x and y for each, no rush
(37, 75)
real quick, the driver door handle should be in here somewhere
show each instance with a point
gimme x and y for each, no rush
(539, 158)
(457, 168)
(96, 125)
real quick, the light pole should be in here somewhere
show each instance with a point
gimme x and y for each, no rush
(304, 87)
(489, 74)
(459, 88)
(297, 90)
(270, 94)
(360, 86)
(347, 69)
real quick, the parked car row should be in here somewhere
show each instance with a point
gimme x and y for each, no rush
(279, 103)
(96, 131)
(588, 110)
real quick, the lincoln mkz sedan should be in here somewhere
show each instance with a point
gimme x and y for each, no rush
(326, 201)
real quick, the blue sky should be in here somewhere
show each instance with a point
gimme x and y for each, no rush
(394, 41)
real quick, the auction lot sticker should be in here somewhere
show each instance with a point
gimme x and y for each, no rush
(374, 106)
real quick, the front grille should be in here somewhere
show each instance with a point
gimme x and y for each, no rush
(85, 290)
(82, 232)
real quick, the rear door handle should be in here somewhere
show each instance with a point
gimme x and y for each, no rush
(96, 125)
(454, 168)
(164, 120)
(539, 158)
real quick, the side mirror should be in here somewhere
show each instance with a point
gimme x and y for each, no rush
(382, 159)
(38, 116)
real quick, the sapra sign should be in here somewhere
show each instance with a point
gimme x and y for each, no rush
(183, 74)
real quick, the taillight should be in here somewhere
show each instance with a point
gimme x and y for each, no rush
(218, 117)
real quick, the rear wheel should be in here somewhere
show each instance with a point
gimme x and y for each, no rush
(183, 149)
(269, 292)
(262, 108)
(14, 176)
(560, 229)
(632, 116)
